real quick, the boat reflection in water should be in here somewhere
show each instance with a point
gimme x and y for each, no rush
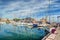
(10, 32)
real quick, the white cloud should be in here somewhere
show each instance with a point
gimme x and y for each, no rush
(21, 8)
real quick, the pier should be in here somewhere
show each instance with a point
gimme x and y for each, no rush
(53, 36)
(58, 34)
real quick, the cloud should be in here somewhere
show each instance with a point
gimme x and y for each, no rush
(24, 8)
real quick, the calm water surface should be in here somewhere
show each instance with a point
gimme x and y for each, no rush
(10, 32)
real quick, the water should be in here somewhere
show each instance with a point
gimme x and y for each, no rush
(10, 32)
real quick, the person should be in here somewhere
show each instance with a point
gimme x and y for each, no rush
(53, 30)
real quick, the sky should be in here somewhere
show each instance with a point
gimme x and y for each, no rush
(29, 8)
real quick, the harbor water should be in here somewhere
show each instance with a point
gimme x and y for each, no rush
(10, 32)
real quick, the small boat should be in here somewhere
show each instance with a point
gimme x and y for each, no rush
(2, 23)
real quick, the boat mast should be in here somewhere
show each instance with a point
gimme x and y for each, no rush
(49, 10)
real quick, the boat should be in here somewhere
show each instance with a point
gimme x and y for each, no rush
(2, 23)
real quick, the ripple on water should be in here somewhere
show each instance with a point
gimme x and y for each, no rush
(20, 32)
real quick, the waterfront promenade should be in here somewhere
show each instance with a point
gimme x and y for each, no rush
(54, 36)
(58, 35)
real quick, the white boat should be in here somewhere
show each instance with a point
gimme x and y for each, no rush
(29, 25)
(2, 22)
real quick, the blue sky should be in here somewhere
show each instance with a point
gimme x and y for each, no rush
(29, 8)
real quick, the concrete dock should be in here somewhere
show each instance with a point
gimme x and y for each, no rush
(54, 36)
(58, 34)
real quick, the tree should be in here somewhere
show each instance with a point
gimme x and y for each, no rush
(16, 19)
(7, 21)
